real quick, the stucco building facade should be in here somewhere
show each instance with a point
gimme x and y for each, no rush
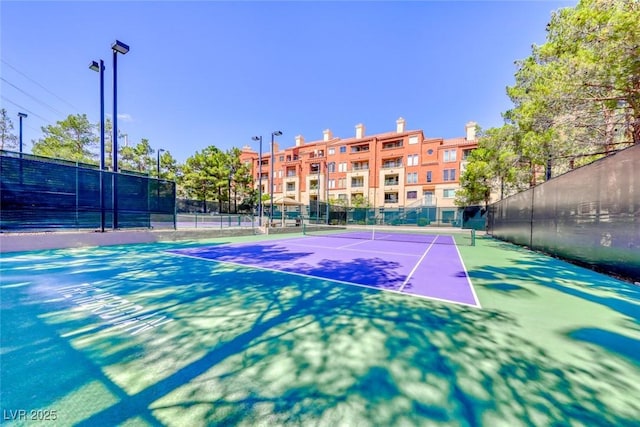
(401, 168)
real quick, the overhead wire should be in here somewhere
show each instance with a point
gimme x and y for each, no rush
(40, 85)
(32, 97)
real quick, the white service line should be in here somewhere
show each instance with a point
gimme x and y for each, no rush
(415, 267)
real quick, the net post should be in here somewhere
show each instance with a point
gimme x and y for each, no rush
(473, 237)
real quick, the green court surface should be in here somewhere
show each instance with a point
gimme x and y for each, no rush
(132, 335)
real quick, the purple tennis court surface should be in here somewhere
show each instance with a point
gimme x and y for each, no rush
(432, 270)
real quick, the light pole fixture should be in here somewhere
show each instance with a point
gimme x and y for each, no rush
(21, 116)
(259, 138)
(118, 48)
(158, 162)
(273, 135)
(99, 67)
(327, 167)
(232, 172)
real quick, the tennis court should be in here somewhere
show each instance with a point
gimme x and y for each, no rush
(423, 264)
(259, 330)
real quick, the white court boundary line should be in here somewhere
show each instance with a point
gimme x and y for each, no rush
(415, 267)
(309, 276)
(473, 290)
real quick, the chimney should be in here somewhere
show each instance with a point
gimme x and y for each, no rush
(299, 140)
(471, 131)
(276, 147)
(327, 134)
(400, 125)
(359, 130)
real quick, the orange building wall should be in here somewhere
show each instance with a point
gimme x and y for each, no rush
(299, 159)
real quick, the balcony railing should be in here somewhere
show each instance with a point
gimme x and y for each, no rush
(357, 184)
(391, 182)
(359, 168)
(391, 165)
(360, 149)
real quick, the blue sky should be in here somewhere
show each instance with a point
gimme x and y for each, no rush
(203, 73)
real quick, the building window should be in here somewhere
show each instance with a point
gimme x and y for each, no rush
(413, 139)
(412, 178)
(391, 197)
(429, 199)
(265, 162)
(412, 194)
(429, 151)
(466, 154)
(449, 175)
(281, 159)
(331, 167)
(279, 174)
(332, 183)
(342, 197)
(343, 149)
(412, 160)
(357, 182)
(449, 155)
(449, 193)
(291, 186)
(313, 184)
(429, 176)
(341, 182)
(314, 167)
(342, 167)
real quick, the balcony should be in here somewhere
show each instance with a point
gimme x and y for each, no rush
(357, 184)
(389, 182)
(389, 165)
(355, 168)
(359, 149)
(392, 145)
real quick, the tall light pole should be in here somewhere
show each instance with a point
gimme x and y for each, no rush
(327, 167)
(117, 47)
(318, 196)
(273, 135)
(160, 150)
(21, 116)
(99, 67)
(232, 171)
(259, 138)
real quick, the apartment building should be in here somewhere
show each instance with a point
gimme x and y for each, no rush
(392, 169)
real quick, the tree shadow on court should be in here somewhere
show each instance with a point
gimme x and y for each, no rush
(563, 277)
(262, 254)
(257, 347)
(374, 272)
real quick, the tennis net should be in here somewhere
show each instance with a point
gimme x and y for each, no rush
(392, 233)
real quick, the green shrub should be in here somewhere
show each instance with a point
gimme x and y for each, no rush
(423, 221)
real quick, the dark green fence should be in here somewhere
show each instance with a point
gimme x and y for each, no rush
(590, 215)
(40, 193)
